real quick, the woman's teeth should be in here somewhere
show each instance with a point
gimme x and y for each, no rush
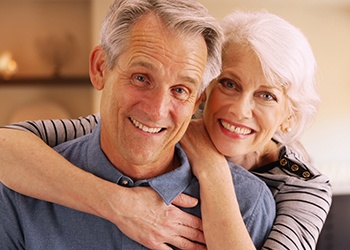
(238, 130)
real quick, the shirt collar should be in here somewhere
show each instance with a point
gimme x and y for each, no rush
(168, 185)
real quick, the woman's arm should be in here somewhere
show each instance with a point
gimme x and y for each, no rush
(29, 166)
(54, 132)
(302, 208)
(223, 225)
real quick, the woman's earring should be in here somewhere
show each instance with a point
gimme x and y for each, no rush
(285, 130)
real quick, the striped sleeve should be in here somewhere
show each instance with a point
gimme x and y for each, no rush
(302, 207)
(54, 132)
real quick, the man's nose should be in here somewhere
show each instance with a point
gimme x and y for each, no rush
(159, 104)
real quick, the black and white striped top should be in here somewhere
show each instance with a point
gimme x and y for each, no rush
(303, 195)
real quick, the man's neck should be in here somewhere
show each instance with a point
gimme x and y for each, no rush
(149, 170)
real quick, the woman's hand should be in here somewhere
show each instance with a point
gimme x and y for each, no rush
(200, 149)
(143, 216)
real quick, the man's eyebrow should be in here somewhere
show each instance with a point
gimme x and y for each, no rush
(145, 64)
(189, 80)
(151, 67)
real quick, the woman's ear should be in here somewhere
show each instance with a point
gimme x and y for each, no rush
(97, 67)
(288, 124)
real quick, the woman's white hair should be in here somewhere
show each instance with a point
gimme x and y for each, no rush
(287, 60)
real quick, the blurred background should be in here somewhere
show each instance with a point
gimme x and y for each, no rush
(45, 46)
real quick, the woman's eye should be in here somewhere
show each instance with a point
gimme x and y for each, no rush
(268, 97)
(226, 83)
(228, 86)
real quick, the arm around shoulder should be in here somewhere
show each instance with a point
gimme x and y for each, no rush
(29, 166)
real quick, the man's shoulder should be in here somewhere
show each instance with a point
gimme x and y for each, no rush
(250, 190)
(243, 177)
(256, 203)
(72, 144)
(75, 150)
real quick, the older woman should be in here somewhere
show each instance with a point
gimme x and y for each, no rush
(255, 112)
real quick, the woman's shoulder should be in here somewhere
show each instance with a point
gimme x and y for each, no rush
(293, 177)
(291, 172)
(292, 164)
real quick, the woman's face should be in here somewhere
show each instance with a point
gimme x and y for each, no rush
(243, 111)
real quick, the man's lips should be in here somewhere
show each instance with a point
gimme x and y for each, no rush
(144, 128)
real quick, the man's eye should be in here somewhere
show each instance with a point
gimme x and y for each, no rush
(179, 90)
(181, 93)
(140, 78)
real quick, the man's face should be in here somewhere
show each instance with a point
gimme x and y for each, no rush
(149, 97)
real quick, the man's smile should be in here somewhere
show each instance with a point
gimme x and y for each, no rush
(144, 128)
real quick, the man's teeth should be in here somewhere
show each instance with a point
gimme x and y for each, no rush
(145, 128)
(242, 131)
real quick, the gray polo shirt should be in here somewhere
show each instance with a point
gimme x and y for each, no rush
(27, 223)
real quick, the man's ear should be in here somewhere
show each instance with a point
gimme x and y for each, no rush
(196, 106)
(97, 67)
(204, 96)
(198, 101)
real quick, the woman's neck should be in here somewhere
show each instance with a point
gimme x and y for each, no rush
(257, 158)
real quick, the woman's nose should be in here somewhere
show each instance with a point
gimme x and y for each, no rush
(242, 107)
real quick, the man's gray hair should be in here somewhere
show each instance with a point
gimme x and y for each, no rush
(183, 16)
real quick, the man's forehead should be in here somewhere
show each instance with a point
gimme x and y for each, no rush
(153, 45)
(150, 22)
